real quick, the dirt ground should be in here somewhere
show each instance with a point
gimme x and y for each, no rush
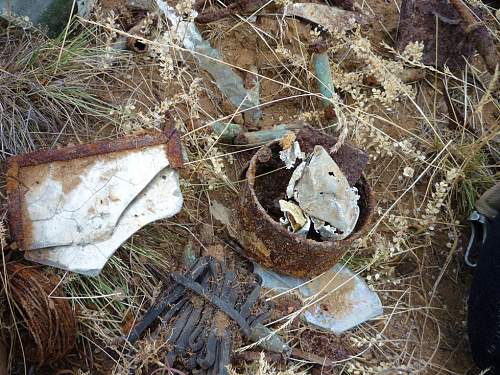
(426, 168)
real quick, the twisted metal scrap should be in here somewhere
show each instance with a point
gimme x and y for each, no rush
(199, 344)
(50, 321)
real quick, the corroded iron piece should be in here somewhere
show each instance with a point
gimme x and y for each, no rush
(269, 243)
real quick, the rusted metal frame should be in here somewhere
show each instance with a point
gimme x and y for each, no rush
(170, 137)
(93, 149)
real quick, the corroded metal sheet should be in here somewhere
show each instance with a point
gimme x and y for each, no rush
(72, 208)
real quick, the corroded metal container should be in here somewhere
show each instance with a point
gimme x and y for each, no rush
(269, 243)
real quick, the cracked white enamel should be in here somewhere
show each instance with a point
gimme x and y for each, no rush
(162, 198)
(80, 201)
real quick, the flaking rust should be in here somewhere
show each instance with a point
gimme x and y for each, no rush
(66, 204)
(269, 243)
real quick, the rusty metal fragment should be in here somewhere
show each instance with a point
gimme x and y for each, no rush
(49, 321)
(236, 7)
(445, 30)
(73, 207)
(269, 243)
(137, 43)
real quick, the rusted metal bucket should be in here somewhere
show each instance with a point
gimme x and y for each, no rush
(269, 243)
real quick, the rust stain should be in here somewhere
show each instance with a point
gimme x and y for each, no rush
(34, 166)
(335, 302)
(97, 148)
(268, 242)
(68, 173)
(33, 175)
(14, 202)
(27, 226)
(252, 239)
(12, 173)
(174, 151)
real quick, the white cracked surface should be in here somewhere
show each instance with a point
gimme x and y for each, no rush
(162, 198)
(355, 302)
(83, 206)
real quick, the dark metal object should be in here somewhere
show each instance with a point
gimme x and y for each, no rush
(171, 297)
(225, 353)
(20, 230)
(215, 300)
(191, 336)
(265, 240)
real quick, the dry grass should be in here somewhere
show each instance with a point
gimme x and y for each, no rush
(51, 89)
(426, 172)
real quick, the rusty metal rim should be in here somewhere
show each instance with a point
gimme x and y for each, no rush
(170, 137)
(92, 149)
(370, 205)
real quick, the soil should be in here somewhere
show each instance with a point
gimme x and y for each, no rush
(433, 328)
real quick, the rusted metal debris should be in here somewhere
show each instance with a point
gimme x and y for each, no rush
(50, 321)
(269, 243)
(344, 4)
(197, 310)
(483, 40)
(65, 205)
(447, 33)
